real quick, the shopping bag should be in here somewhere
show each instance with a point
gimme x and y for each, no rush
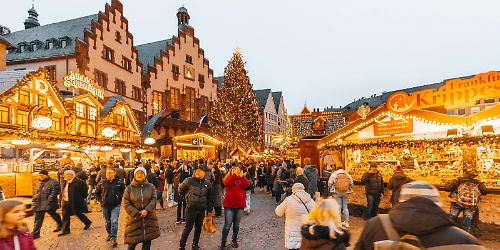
(209, 225)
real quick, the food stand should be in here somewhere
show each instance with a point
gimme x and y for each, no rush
(196, 146)
(38, 125)
(430, 145)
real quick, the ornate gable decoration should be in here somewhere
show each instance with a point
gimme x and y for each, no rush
(37, 83)
(122, 108)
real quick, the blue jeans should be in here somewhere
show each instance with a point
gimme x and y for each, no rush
(468, 213)
(373, 201)
(231, 216)
(146, 245)
(111, 215)
(90, 192)
(342, 200)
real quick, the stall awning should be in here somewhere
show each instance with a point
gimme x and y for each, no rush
(409, 137)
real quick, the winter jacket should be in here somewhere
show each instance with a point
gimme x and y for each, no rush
(93, 176)
(45, 197)
(180, 176)
(374, 183)
(395, 183)
(316, 237)
(312, 174)
(77, 196)
(333, 178)
(110, 193)
(120, 173)
(235, 191)
(138, 197)
(453, 186)
(169, 176)
(25, 241)
(302, 179)
(161, 181)
(199, 193)
(80, 174)
(293, 209)
(217, 185)
(279, 177)
(421, 217)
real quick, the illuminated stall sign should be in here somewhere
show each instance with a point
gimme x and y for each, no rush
(453, 94)
(393, 127)
(79, 81)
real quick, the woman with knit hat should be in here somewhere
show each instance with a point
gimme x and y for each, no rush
(139, 201)
(294, 207)
(397, 180)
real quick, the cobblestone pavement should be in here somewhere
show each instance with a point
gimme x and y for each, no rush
(261, 230)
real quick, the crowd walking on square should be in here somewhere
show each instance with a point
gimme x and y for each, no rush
(315, 205)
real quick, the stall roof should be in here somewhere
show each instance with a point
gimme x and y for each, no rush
(196, 135)
(424, 115)
(150, 125)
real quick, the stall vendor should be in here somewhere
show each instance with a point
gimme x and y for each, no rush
(66, 159)
(406, 161)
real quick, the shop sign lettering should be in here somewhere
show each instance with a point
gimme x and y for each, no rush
(453, 94)
(401, 126)
(78, 81)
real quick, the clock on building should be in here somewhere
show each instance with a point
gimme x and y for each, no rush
(188, 72)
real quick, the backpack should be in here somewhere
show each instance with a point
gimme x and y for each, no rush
(342, 183)
(410, 241)
(468, 194)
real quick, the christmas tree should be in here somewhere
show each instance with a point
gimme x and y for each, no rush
(235, 115)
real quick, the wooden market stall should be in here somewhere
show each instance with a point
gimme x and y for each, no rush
(196, 146)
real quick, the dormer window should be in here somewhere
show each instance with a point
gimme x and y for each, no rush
(34, 47)
(22, 48)
(50, 44)
(64, 42)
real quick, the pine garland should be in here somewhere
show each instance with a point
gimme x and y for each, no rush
(235, 115)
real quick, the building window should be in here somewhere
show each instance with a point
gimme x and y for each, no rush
(108, 54)
(56, 124)
(175, 69)
(80, 110)
(126, 64)
(64, 42)
(120, 87)
(4, 114)
(101, 78)
(42, 101)
(174, 99)
(50, 44)
(488, 101)
(22, 118)
(157, 102)
(118, 37)
(190, 96)
(24, 97)
(461, 112)
(136, 93)
(34, 47)
(189, 59)
(201, 78)
(92, 113)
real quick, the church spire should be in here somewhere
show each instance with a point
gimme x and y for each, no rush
(32, 20)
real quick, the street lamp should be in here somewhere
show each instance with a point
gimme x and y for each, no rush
(41, 119)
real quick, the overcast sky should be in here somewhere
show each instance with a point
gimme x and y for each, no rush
(325, 53)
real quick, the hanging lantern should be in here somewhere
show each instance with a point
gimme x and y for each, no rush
(62, 145)
(41, 122)
(20, 142)
(140, 151)
(109, 132)
(106, 148)
(149, 141)
(125, 150)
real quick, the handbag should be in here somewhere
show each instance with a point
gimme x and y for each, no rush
(295, 196)
(209, 225)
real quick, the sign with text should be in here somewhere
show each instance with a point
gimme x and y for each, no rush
(198, 141)
(453, 94)
(78, 81)
(393, 127)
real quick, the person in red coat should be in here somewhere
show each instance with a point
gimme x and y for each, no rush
(14, 234)
(234, 203)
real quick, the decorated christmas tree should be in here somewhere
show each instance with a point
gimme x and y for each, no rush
(235, 116)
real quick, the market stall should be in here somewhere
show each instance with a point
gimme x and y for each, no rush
(196, 146)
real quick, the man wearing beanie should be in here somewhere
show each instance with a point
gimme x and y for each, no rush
(418, 217)
(45, 201)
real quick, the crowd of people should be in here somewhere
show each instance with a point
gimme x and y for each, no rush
(314, 204)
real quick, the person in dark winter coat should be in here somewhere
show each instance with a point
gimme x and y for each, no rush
(397, 180)
(109, 193)
(181, 174)
(92, 182)
(236, 184)
(419, 214)
(80, 173)
(322, 228)
(139, 201)
(312, 174)
(169, 184)
(73, 200)
(199, 199)
(45, 201)
(217, 184)
(374, 188)
(456, 208)
(301, 178)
